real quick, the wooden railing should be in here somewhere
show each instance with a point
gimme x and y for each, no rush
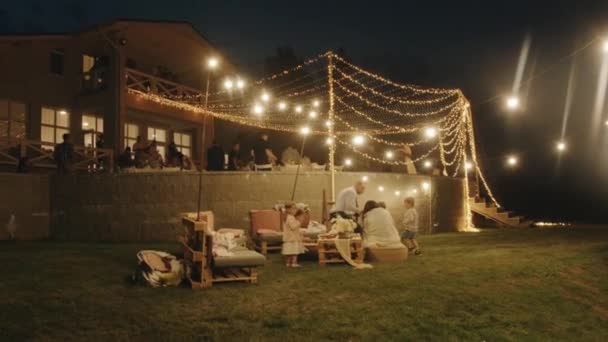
(139, 81)
(40, 155)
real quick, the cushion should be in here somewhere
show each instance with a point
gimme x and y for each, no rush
(240, 258)
(269, 232)
(270, 238)
(265, 219)
(387, 254)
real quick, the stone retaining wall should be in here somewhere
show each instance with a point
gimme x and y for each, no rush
(147, 207)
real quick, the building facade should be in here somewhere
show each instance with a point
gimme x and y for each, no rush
(79, 83)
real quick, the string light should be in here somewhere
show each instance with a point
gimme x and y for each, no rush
(430, 132)
(298, 109)
(282, 105)
(228, 84)
(468, 166)
(348, 162)
(389, 155)
(426, 186)
(258, 109)
(512, 161)
(316, 103)
(240, 84)
(328, 123)
(212, 63)
(305, 130)
(397, 193)
(358, 140)
(312, 114)
(265, 97)
(381, 188)
(427, 164)
(512, 102)
(329, 141)
(560, 146)
(364, 179)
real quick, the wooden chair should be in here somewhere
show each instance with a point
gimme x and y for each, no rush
(197, 242)
(268, 220)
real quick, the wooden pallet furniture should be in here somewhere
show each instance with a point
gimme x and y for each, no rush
(328, 254)
(268, 219)
(197, 241)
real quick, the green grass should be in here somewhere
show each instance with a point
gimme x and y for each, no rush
(493, 285)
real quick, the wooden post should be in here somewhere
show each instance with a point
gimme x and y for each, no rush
(332, 146)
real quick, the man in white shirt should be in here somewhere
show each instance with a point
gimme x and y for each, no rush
(410, 222)
(346, 204)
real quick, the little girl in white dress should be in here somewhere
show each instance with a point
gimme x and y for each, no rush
(292, 236)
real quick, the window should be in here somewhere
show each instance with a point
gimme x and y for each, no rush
(183, 141)
(91, 125)
(160, 135)
(54, 124)
(57, 60)
(131, 134)
(12, 119)
(87, 63)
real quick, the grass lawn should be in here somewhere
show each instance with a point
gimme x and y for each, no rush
(492, 285)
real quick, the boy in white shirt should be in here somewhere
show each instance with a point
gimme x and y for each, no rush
(410, 222)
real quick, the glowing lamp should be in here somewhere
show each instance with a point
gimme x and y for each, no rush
(316, 103)
(426, 186)
(381, 188)
(397, 193)
(328, 123)
(427, 164)
(228, 84)
(468, 166)
(605, 46)
(358, 140)
(389, 154)
(212, 63)
(430, 132)
(63, 112)
(561, 146)
(305, 130)
(298, 109)
(265, 97)
(329, 141)
(512, 161)
(512, 102)
(312, 114)
(282, 105)
(348, 162)
(364, 179)
(240, 84)
(258, 109)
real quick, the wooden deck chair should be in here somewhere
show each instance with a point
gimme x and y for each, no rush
(207, 268)
(266, 230)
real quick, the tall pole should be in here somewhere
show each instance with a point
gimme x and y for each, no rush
(332, 145)
(200, 173)
(293, 192)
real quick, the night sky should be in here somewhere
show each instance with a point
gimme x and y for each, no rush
(473, 46)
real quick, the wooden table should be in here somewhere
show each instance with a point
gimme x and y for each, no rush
(328, 254)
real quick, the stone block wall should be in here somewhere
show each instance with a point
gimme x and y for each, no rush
(26, 197)
(147, 207)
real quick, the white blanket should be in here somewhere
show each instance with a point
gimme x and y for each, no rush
(379, 229)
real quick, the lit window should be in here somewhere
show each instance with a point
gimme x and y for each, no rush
(131, 134)
(54, 124)
(160, 135)
(183, 141)
(91, 125)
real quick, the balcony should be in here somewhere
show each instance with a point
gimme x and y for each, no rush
(141, 82)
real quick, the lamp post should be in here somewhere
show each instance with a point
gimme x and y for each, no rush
(305, 131)
(212, 64)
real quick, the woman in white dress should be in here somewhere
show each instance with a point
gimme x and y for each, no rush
(378, 227)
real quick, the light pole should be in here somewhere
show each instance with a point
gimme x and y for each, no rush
(212, 64)
(305, 131)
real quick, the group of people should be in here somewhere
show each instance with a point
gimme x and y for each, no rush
(261, 157)
(147, 154)
(374, 222)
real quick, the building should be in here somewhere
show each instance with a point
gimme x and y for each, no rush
(80, 82)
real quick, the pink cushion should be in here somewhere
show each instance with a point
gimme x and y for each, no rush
(265, 219)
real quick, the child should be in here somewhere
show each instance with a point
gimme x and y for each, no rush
(410, 221)
(292, 236)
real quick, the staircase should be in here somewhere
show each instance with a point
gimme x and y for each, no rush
(498, 215)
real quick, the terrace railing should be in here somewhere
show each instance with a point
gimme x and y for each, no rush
(146, 83)
(40, 155)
